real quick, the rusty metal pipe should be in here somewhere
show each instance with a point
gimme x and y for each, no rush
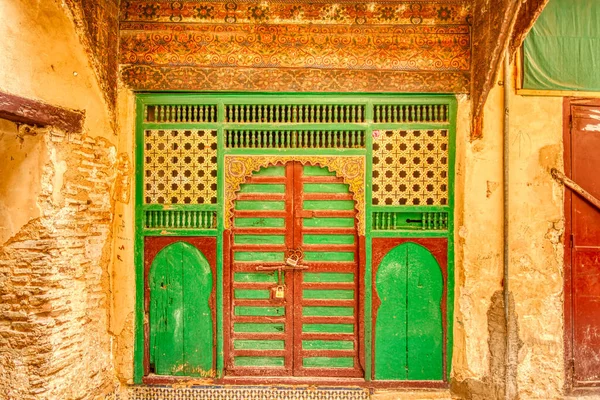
(505, 169)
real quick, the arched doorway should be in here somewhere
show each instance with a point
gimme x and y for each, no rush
(181, 328)
(294, 275)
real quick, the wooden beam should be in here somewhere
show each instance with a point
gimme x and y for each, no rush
(33, 112)
(562, 178)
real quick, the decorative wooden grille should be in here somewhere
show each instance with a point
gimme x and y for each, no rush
(294, 139)
(391, 221)
(181, 113)
(410, 167)
(180, 219)
(180, 166)
(294, 113)
(415, 113)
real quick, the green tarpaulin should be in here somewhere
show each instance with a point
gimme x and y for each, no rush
(562, 51)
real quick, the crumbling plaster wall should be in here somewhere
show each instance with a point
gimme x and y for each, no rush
(536, 253)
(55, 197)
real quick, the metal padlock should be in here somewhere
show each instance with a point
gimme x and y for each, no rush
(292, 260)
(280, 292)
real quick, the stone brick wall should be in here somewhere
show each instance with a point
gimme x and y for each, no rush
(53, 279)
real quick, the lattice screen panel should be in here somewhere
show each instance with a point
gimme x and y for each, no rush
(410, 167)
(180, 166)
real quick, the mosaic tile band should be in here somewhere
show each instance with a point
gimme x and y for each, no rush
(242, 393)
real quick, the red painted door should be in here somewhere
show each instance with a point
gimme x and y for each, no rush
(303, 322)
(585, 252)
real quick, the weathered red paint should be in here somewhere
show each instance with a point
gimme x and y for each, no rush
(439, 249)
(582, 246)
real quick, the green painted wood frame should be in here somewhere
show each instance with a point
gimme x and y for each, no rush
(220, 99)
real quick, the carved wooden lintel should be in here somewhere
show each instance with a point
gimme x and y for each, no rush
(33, 112)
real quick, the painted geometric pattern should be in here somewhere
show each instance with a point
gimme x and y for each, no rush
(410, 167)
(291, 12)
(180, 166)
(152, 77)
(406, 47)
(244, 393)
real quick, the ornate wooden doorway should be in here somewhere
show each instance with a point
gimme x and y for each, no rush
(294, 276)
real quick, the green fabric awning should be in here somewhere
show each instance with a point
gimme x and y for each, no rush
(562, 51)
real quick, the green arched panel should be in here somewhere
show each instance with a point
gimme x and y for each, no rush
(181, 326)
(408, 329)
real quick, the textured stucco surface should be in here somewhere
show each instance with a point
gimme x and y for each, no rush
(43, 59)
(536, 219)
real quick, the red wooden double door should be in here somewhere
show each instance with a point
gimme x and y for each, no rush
(292, 286)
(582, 311)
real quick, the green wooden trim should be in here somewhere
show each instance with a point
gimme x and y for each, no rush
(328, 328)
(180, 207)
(220, 361)
(368, 303)
(409, 234)
(179, 232)
(451, 233)
(252, 327)
(328, 362)
(138, 370)
(337, 277)
(297, 152)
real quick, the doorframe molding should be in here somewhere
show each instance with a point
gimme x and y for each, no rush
(570, 386)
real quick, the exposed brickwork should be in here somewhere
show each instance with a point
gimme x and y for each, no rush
(98, 24)
(53, 280)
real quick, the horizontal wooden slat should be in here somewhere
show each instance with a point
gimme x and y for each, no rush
(328, 362)
(328, 303)
(324, 214)
(327, 353)
(327, 320)
(257, 319)
(328, 336)
(261, 197)
(328, 294)
(257, 329)
(258, 248)
(253, 362)
(328, 248)
(328, 231)
(260, 214)
(266, 179)
(333, 309)
(258, 353)
(262, 335)
(328, 196)
(327, 277)
(321, 179)
(328, 285)
(252, 231)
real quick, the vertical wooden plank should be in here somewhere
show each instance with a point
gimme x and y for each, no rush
(166, 311)
(424, 315)
(391, 344)
(198, 322)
